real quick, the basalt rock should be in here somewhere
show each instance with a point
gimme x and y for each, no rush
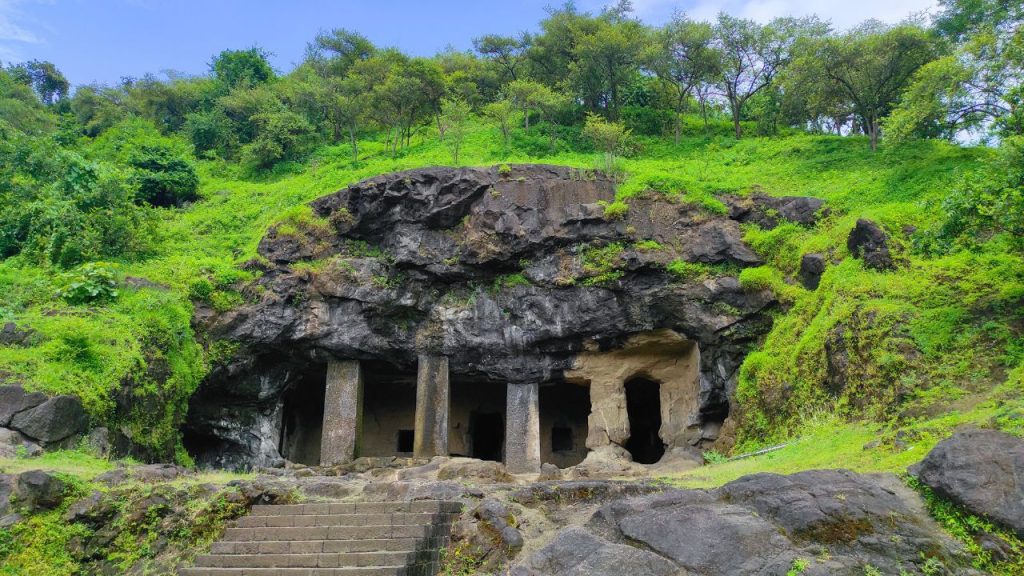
(828, 521)
(869, 242)
(56, 419)
(511, 274)
(769, 211)
(812, 266)
(982, 470)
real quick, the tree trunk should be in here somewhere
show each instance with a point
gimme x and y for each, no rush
(873, 127)
(355, 145)
(736, 120)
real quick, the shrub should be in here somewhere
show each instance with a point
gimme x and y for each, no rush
(616, 210)
(90, 283)
(162, 177)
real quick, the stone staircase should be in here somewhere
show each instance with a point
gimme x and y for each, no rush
(333, 539)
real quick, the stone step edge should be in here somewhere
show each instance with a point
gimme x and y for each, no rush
(394, 518)
(414, 543)
(320, 508)
(352, 571)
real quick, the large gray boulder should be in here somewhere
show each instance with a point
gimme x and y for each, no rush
(38, 490)
(577, 552)
(54, 420)
(983, 471)
(14, 399)
(827, 521)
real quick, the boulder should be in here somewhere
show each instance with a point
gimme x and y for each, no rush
(6, 489)
(14, 399)
(54, 420)
(577, 552)
(11, 335)
(983, 471)
(470, 469)
(812, 266)
(768, 211)
(869, 242)
(14, 444)
(38, 490)
(157, 472)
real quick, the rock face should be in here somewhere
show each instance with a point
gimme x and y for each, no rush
(868, 241)
(830, 521)
(56, 419)
(983, 471)
(511, 274)
(769, 211)
(812, 266)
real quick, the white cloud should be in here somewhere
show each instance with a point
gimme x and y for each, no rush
(15, 32)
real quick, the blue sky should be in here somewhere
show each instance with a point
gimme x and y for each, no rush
(103, 40)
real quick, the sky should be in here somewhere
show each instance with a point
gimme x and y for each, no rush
(105, 40)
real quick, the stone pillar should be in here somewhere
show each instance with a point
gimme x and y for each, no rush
(432, 405)
(522, 429)
(343, 413)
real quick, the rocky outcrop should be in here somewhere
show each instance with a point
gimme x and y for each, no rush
(511, 274)
(825, 521)
(28, 419)
(869, 242)
(770, 211)
(981, 470)
(812, 267)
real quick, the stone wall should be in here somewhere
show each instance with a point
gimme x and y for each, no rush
(662, 356)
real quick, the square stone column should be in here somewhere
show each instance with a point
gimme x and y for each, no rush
(432, 406)
(522, 429)
(343, 413)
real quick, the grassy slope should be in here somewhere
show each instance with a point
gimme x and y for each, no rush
(89, 351)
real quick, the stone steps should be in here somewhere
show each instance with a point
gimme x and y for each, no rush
(351, 538)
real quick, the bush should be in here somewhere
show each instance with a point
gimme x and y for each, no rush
(163, 178)
(90, 283)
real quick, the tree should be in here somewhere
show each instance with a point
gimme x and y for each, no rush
(606, 59)
(683, 58)
(44, 78)
(608, 137)
(529, 96)
(455, 114)
(503, 114)
(751, 55)
(348, 108)
(980, 86)
(871, 66)
(507, 52)
(246, 68)
(334, 53)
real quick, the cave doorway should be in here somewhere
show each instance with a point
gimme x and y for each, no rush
(389, 409)
(643, 407)
(487, 435)
(302, 417)
(564, 409)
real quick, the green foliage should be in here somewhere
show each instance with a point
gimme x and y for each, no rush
(601, 263)
(608, 137)
(966, 528)
(798, 567)
(242, 68)
(90, 283)
(507, 281)
(689, 271)
(616, 210)
(715, 457)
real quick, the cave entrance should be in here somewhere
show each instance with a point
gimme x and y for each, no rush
(302, 417)
(643, 407)
(564, 408)
(487, 435)
(389, 409)
(477, 418)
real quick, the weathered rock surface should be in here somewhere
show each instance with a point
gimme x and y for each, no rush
(38, 490)
(770, 211)
(54, 420)
(869, 242)
(14, 443)
(836, 522)
(403, 259)
(983, 471)
(14, 399)
(812, 266)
